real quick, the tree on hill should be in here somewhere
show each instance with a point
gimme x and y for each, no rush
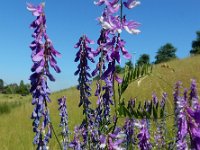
(196, 45)
(129, 64)
(22, 88)
(118, 69)
(1, 85)
(143, 59)
(165, 53)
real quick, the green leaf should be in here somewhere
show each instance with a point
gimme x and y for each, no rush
(155, 113)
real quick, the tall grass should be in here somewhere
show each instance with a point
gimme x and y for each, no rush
(6, 107)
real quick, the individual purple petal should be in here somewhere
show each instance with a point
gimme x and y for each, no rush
(195, 114)
(111, 68)
(39, 56)
(118, 79)
(100, 2)
(102, 141)
(116, 56)
(131, 4)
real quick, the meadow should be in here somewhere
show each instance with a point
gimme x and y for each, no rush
(15, 124)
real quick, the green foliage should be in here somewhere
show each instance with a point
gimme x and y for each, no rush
(133, 74)
(196, 45)
(118, 69)
(6, 107)
(1, 84)
(165, 53)
(14, 88)
(129, 64)
(22, 88)
(143, 59)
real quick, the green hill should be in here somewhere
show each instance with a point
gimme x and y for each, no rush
(15, 127)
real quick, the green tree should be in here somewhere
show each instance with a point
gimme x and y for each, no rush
(165, 53)
(196, 45)
(129, 64)
(1, 85)
(118, 69)
(143, 59)
(10, 89)
(22, 88)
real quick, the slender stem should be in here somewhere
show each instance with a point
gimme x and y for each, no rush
(55, 135)
(121, 10)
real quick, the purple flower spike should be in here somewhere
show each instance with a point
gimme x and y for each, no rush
(76, 143)
(144, 136)
(64, 121)
(84, 54)
(43, 54)
(131, 4)
(129, 131)
(194, 130)
(163, 101)
(154, 99)
(193, 94)
(103, 142)
(182, 132)
(115, 139)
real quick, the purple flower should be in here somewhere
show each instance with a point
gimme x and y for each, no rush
(194, 130)
(64, 121)
(144, 136)
(111, 23)
(84, 53)
(194, 113)
(130, 26)
(43, 54)
(103, 142)
(182, 132)
(163, 101)
(193, 94)
(129, 131)
(107, 97)
(154, 99)
(76, 143)
(112, 6)
(177, 98)
(159, 137)
(131, 4)
(115, 139)
(36, 10)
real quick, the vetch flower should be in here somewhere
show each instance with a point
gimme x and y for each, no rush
(64, 121)
(130, 26)
(129, 131)
(76, 143)
(131, 4)
(144, 136)
(193, 94)
(194, 130)
(83, 55)
(112, 6)
(115, 139)
(43, 54)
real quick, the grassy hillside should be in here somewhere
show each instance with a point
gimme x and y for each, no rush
(15, 127)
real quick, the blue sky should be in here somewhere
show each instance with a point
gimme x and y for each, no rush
(174, 21)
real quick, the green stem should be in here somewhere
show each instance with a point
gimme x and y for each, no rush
(55, 136)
